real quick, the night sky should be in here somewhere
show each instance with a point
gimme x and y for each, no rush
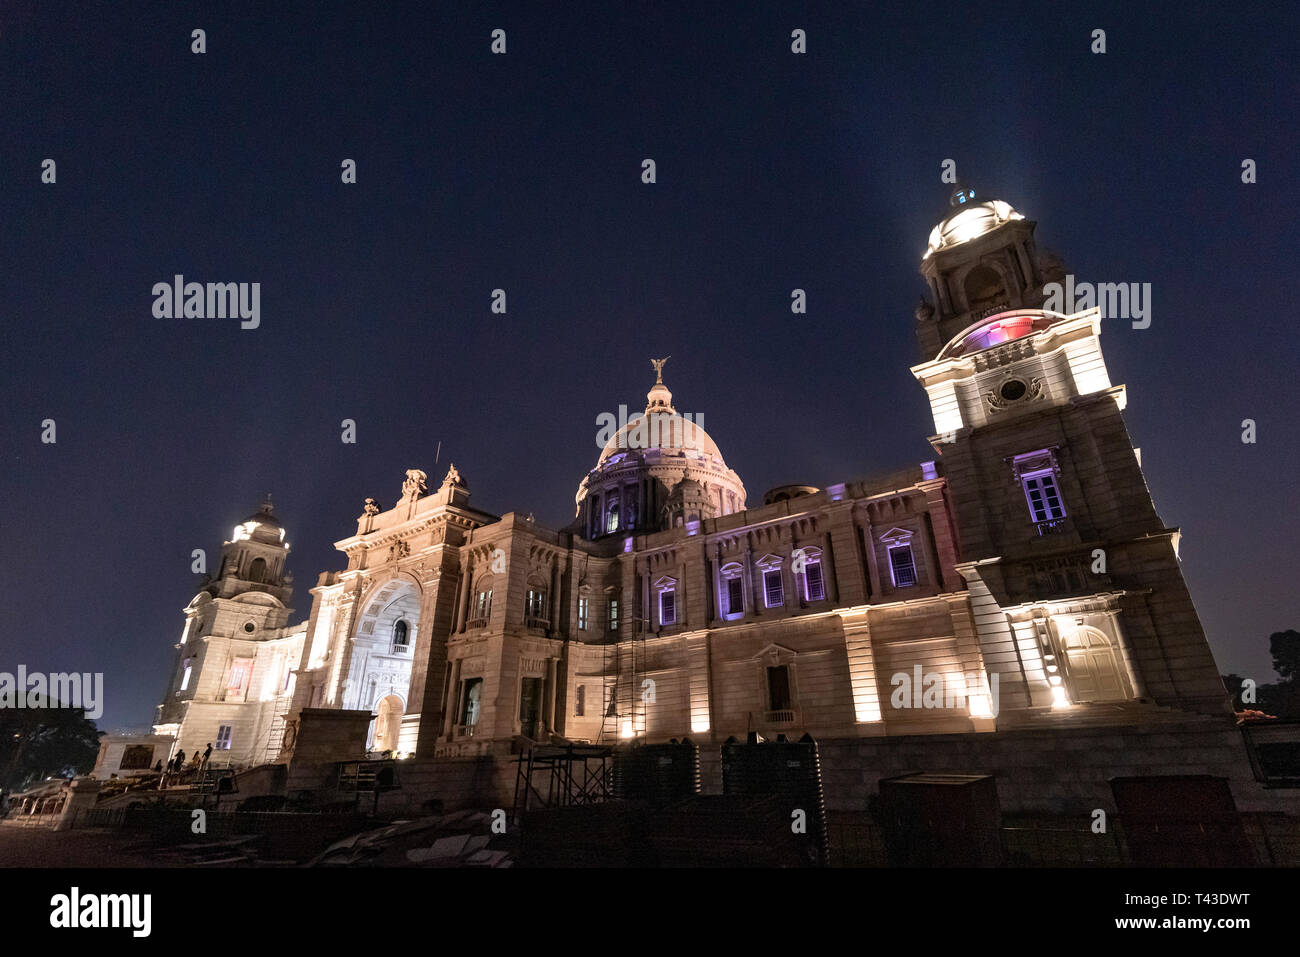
(522, 172)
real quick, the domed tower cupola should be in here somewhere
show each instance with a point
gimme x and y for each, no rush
(980, 260)
(643, 459)
(254, 558)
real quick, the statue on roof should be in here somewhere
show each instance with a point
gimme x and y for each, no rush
(413, 487)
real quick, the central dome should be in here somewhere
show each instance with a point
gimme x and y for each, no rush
(661, 428)
(644, 460)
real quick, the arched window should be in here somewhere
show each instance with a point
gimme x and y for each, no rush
(733, 590)
(401, 632)
(611, 520)
(257, 570)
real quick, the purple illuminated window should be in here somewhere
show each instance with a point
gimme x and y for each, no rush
(735, 596)
(902, 566)
(814, 586)
(1043, 496)
(667, 607)
(773, 588)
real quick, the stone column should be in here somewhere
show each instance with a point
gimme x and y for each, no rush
(755, 601)
(554, 611)
(830, 579)
(462, 612)
(931, 558)
(548, 696)
(1126, 652)
(862, 670)
(872, 567)
(453, 699)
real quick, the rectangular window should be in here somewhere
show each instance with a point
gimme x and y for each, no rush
(778, 688)
(583, 604)
(814, 587)
(483, 608)
(902, 566)
(223, 738)
(240, 672)
(1043, 496)
(613, 614)
(535, 607)
(773, 588)
(735, 596)
(469, 707)
(667, 607)
(580, 701)
(185, 678)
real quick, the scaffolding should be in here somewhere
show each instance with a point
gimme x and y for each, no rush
(568, 775)
(275, 732)
(624, 667)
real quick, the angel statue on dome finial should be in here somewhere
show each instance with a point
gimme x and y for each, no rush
(659, 369)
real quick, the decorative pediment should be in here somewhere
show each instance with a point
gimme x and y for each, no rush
(776, 653)
(1037, 461)
(258, 598)
(666, 582)
(769, 561)
(898, 535)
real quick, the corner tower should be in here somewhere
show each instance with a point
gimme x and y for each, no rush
(235, 656)
(1077, 592)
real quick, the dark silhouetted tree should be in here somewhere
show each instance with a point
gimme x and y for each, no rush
(36, 743)
(1284, 646)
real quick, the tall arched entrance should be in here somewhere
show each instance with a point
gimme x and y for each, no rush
(383, 649)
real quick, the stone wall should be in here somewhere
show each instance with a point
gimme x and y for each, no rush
(1063, 770)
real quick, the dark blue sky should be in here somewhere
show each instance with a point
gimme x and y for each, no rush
(522, 172)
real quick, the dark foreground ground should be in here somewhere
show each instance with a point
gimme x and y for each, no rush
(41, 847)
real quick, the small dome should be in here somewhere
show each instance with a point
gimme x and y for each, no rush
(261, 526)
(265, 516)
(783, 493)
(968, 220)
(688, 486)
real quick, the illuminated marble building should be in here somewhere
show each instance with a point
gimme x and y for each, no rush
(1024, 568)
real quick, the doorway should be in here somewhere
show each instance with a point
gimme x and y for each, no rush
(530, 706)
